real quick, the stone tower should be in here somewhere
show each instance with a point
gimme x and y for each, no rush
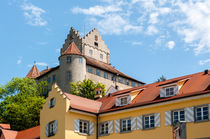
(72, 66)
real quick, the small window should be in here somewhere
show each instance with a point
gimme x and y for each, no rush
(202, 113)
(68, 75)
(51, 128)
(83, 126)
(169, 91)
(149, 121)
(101, 56)
(120, 80)
(106, 75)
(49, 79)
(91, 52)
(103, 128)
(125, 125)
(126, 82)
(139, 84)
(90, 69)
(96, 38)
(133, 84)
(80, 60)
(53, 78)
(178, 116)
(123, 101)
(69, 59)
(51, 102)
(95, 43)
(113, 78)
(98, 72)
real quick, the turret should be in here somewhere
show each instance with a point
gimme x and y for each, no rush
(34, 72)
(72, 66)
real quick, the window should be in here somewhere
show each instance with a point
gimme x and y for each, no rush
(139, 84)
(149, 121)
(169, 91)
(80, 60)
(53, 78)
(202, 113)
(68, 75)
(51, 128)
(125, 125)
(106, 75)
(103, 128)
(127, 82)
(178, 116)
(98, 72)
(133, 84)
(113, 78)
(59, 62)
(83, 126)
(123, 101)
(96, 38)
(91, 52)
(69, 59)
(51, 102)
(120, 80)
(101, 56)
(48, 79)
(90, 69)
(95, 43)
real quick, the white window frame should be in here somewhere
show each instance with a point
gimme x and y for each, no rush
(179, 115)
(122, 99)
(104, 128)
(149, 116)
(82, 126)
(168, 94)
(202, 116)
(127, 128)
(80, 60)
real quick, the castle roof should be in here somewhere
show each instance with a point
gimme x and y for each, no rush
(72, 49)
(33, 73)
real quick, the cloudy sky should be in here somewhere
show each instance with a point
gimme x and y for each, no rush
(146, 38)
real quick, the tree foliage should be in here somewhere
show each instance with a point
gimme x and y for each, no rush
(86, 88)
(21, 101)
(162, 78)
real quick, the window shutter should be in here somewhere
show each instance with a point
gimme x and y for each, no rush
(129, 99)
(117, 126)
(168, 118)
(53, 102)
(117, 103)
(55, 127)
(139, 122)
(133, 123)
(76, 125)
(46, 130)
(110, 127)
(176, 89)
(162, 92)
(157, 119)
(189, 114)
(209, 111)
(91, 128)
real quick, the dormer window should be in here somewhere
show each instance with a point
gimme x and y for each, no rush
(123, 100)
(169, 91)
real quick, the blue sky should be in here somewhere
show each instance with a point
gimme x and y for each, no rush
(146, 38)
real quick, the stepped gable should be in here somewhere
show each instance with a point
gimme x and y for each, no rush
(72, 50)
(33, 73)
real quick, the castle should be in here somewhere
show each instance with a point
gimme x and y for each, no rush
(84, 58)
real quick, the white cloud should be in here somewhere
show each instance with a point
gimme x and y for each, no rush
(170, 45)
(151, 30)
(19, 61)
(203, 62)
(33, 14)
(136, 43)
(153, 18)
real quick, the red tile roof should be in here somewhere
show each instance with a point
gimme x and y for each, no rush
(5, 126)
(8, 134)
(72, 49)
(31, 133)
(33, 73)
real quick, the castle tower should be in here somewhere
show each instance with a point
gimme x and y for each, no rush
(33, 73)
(72, 66)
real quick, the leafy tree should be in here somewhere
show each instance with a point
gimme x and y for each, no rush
(86, 88)
(162, 78)
(21, 101)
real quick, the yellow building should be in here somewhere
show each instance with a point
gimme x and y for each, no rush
(175, 108)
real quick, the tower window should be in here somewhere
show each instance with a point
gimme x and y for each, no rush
(95, 43)
(69, 59)
(91, 52)
(68, 75)
(96, 38)
(101, 56)
(80, 60)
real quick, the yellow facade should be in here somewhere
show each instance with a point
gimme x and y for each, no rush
(66, 117)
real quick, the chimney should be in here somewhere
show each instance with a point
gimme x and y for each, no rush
(98, 93)
(206, 71)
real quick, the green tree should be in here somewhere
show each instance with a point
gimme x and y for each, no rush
(21, 102)
(86, 88)
(162, 78)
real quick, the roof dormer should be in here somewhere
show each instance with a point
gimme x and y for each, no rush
(123, 100)
(168, 91)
